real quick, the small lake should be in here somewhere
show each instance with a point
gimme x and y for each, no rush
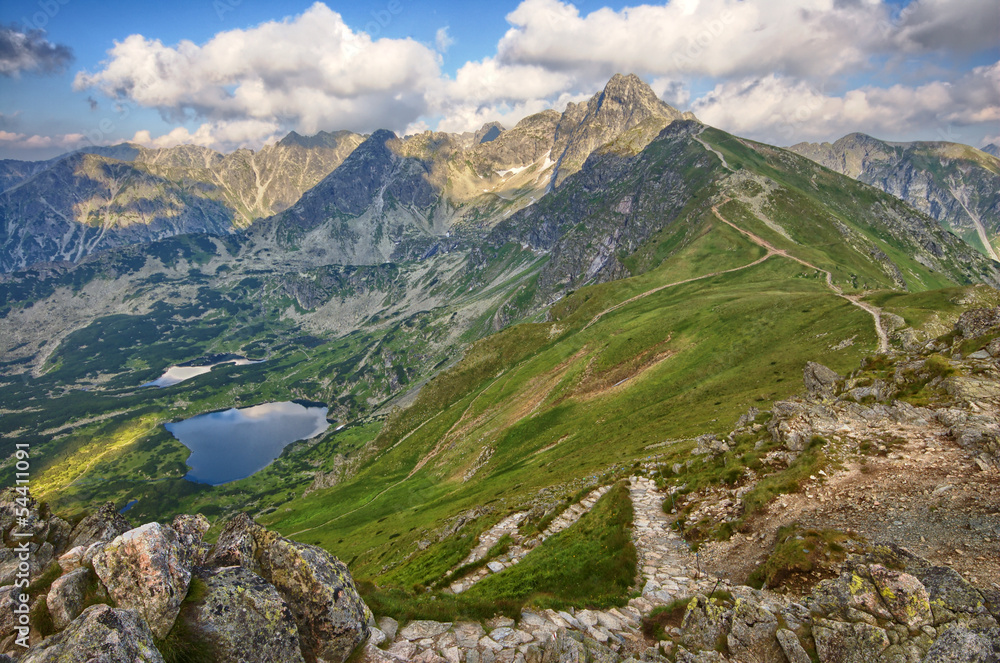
(233, 444)
(177, 374)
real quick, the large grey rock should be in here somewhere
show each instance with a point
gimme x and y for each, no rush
(790, 644)
(237, 544)
(144, 570)
(244, 618)
(847, 597)
(820, 380)
(904, 596)
(752, 634)
(959, 644)
(839, 642)
(949, 593)
(318, 587)
(103, 525)
(102, 634)
(66, 597)
(190, 532)
(705, 623)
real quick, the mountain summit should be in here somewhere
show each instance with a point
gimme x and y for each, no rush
(626, 106)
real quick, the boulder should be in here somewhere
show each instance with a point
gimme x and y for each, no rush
(959, 644)
(977, 322)
(320, 591)
(752, 634)
(820, 380)
(318, 588)
(237, 544)
(390, 627)
(948, 593)
(790, 644)
(8, 620)
(101, 634)
(849, 597)
(144, 570)
(190, 531)
(71, 559)
(244, 618)
(103, 525)
(904, 596)
(704, 625)
(839, 642)
(66, 597)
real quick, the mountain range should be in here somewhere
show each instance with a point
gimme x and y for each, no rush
(956, 184)
(500, 323)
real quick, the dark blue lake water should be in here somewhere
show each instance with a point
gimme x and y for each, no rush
(230, 445)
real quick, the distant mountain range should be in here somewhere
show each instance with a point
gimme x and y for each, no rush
(956, 184)
(69, 207)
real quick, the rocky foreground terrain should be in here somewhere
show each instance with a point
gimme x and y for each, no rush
(158, 592)
(101, 590)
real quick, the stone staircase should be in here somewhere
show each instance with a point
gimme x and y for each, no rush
(522, 546)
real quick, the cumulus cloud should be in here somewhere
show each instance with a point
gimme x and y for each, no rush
(719, 38)
(20, 141)
(962, 26)
(773, 64)
(309, 72)
(783, 110)
(30, 52)
(223, 136)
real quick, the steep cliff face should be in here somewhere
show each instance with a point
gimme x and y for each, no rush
(955, 184)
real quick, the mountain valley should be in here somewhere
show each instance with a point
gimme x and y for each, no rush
(559, 358)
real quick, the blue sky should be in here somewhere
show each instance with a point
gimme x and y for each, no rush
(231, 73)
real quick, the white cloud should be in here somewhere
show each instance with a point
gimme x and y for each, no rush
(772, 64)
(20, 141)
(221, 136)
(719, 38)
(443, 40)
(784, 110)
(309, 72)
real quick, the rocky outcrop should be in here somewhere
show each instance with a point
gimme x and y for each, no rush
(254, 596)
(244, 618)
(100, 635)
(66, 597)
(144, 570)
(320, 592)
(103, 525)
(820, 380)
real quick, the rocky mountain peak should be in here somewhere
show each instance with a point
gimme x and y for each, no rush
(626, 101)
(489, 132)
(321, 139)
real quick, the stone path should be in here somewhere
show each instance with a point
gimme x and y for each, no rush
(522, 546)
(669, 568)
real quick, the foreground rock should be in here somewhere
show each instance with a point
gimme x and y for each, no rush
(144, 570)
(244, 618)
(253, 597)
(318, 588)
(100, 635)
